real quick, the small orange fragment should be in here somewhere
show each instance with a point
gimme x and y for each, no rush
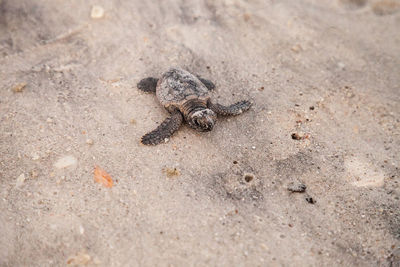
(102, 177)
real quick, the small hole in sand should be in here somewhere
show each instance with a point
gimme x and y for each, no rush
(235, 162)
(248, 177)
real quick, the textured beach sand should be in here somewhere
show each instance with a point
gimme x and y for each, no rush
(326, 71)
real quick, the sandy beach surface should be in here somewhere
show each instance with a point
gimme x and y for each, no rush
(324, 79)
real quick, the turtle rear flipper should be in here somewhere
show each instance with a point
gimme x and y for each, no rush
(209, 84)
(165, 130)
(234, 109)
(148, 85)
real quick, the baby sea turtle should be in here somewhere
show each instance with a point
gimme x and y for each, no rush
(186, 97)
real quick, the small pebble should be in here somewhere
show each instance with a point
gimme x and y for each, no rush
(19, 87)
(89, 141)
(35, 156)
(297, 187)
(310, 200)
(172, 172)
(296, 136)
(341, 65)
(296, 48)
(34, 173)
(80, 258)
(97, 12)
(248, 177)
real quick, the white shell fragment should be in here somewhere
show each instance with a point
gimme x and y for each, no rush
(97, 12)
(20, 180)
(65, 162)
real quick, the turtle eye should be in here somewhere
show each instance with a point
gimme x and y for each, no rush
(196, 123)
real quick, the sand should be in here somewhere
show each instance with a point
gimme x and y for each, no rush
(326, 71)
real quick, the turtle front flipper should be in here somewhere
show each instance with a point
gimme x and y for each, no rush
(165, 130)
(234, 109)
(148, 85)
(209, 84)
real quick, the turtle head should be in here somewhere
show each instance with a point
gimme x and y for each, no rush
(202, 120)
